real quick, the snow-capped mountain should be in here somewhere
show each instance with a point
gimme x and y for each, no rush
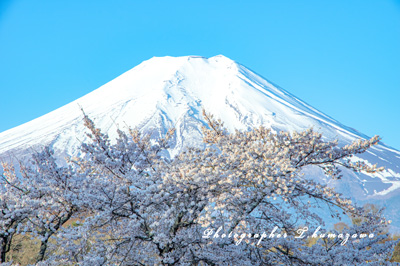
(166, 92)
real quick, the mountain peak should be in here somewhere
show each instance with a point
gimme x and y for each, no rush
(171, 62)
(188, 57)
(166, 92)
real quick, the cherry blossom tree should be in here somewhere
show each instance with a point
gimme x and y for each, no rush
(13, 211)
(40, 201)
(243, 199)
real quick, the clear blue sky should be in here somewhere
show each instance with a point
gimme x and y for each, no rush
(340, 56)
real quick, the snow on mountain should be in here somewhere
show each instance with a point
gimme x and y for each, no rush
(166, 92)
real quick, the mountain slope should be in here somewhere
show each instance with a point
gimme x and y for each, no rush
(170, 92)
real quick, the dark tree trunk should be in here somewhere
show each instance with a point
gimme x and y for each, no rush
(3, 249)
(5, 246)
(42, 250)
(43, 246)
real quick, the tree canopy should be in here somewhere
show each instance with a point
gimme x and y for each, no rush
(243, 199)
